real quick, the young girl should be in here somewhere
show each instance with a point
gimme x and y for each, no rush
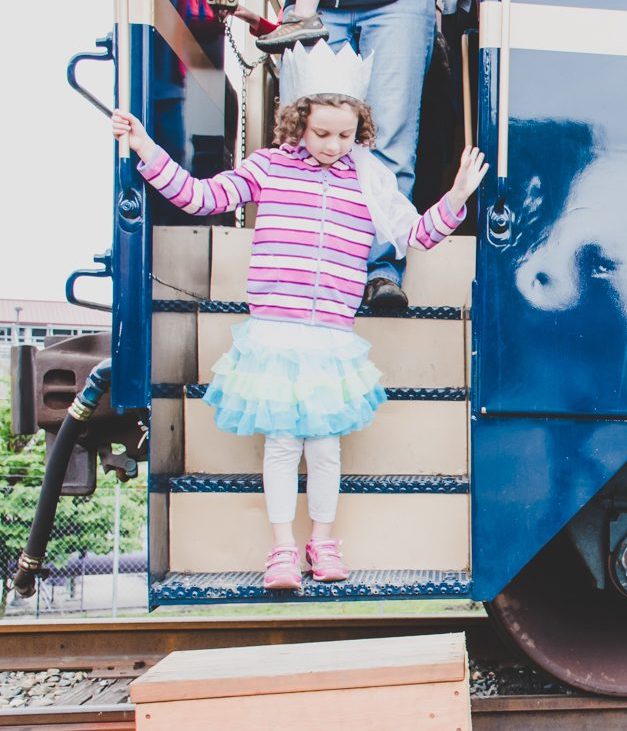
(296, 371)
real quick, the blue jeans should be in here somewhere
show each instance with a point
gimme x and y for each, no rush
(401, 35)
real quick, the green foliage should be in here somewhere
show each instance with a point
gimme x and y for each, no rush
(21, 458)
(81, 524)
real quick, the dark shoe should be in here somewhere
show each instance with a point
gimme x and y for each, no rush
(384, 296)
(292, 29)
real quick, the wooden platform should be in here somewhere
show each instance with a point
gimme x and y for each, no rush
(398, 683)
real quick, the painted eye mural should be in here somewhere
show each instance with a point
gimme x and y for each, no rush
(557, 315)
(585, 241)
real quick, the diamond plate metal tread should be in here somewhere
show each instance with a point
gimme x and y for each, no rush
(247, 586)
(241, 308)
(174, 306)
(420, 313)
(197, 390)
(349, 484)
(167, 390)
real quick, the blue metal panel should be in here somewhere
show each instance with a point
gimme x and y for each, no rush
(529, 478)
(549, 392)
(132, 250)
(553, 333)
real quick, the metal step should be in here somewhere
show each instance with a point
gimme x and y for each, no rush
(349, 484)
(363, 584)
(241, 308)
(197, 390)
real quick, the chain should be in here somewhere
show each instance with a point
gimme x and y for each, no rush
(247, 69)
(188, 292)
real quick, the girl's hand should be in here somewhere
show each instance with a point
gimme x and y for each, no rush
(124, 123)
(471, 172)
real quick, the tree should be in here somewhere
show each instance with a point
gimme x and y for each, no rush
(81, 524)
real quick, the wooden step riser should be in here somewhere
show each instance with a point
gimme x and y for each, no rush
(416, 353)
(230, 532)
(180, 257)
(409, 352)
(440, 277)
(406, 438)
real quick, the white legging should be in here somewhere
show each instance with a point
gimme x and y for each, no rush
(280, 477)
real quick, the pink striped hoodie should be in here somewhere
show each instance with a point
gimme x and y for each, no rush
(313, 231)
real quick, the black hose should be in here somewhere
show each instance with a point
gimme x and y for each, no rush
(31, 560)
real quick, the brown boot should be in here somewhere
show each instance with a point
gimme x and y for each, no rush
(384, 296)
(293, 28)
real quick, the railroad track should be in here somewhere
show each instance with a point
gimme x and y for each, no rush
(514, 713)
(117, 652)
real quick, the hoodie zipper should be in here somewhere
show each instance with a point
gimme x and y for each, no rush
(325, 187)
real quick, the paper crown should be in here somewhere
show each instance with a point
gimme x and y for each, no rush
(321, 71)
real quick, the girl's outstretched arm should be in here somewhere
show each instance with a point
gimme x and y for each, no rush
(445, 216)
(472, 170)
(139, 140)
(200, 197)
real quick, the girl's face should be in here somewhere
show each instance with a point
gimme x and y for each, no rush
(330, 132)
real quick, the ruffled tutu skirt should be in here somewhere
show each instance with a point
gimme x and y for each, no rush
(283, 378)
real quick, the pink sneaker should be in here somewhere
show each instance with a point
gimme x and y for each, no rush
(283, 569)
(325, 558)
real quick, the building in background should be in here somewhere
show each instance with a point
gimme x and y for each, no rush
(31, 321)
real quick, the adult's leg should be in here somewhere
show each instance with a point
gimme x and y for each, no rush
(341, 27)
(401, 36)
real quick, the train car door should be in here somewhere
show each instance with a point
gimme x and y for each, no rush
(550, 301)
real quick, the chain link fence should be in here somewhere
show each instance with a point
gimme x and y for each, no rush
(96, 555)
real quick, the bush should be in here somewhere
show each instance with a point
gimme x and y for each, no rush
(81, 524)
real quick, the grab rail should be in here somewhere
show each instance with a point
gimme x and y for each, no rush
(106, 55)
(105, 43)
(106, 271)
(499, 215)
(466, 95)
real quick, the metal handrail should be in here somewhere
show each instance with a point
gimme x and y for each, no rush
(123, 70)
(499, 221)
(106, 55)
(503, 123)
(468, 136)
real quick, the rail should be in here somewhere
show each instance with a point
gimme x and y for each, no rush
(119, 651)
(129, 646)
(540, 713)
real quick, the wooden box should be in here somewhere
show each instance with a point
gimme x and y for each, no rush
(389, 684)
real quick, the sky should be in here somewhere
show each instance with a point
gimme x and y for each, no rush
(57, 149)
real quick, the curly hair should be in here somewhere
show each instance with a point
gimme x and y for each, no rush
(291, 120)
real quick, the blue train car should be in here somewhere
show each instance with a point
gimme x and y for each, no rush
(495, 470)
